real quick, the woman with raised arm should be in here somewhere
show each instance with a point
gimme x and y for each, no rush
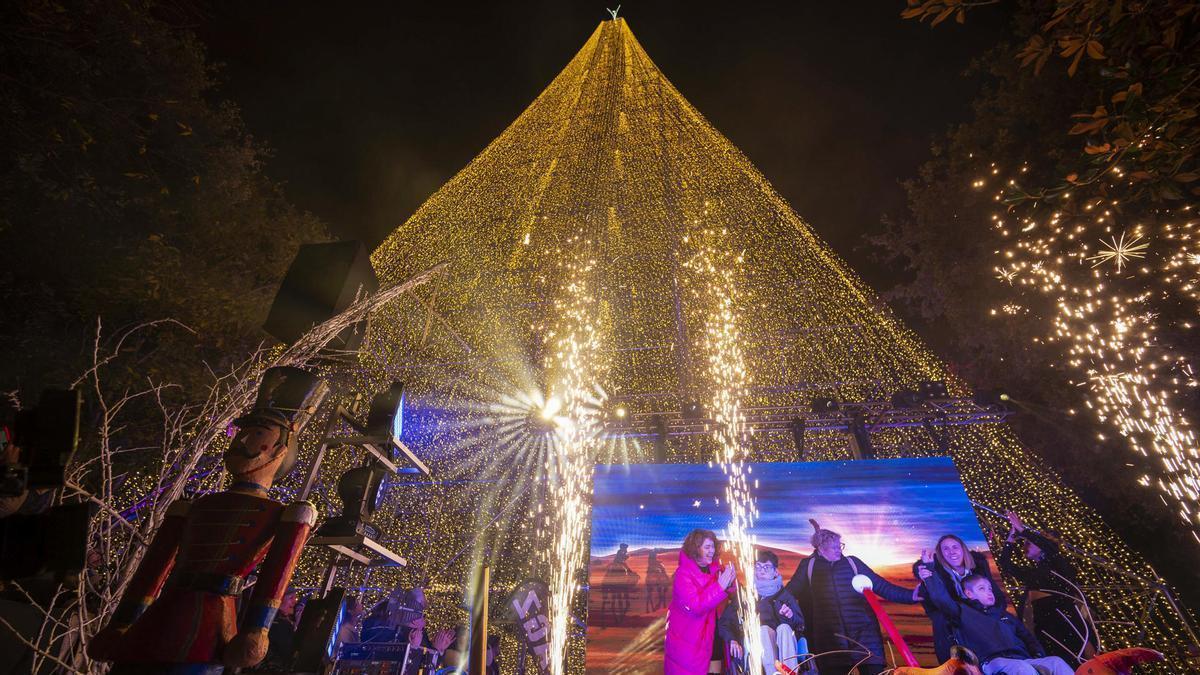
(699, 587)
(955, 562)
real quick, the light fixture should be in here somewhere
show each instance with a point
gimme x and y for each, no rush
(906, 398)
(932, 389)
(823, 404)
(386, 415)
(991, 397)
(360, 491)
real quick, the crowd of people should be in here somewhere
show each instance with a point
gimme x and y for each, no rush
(816, 622)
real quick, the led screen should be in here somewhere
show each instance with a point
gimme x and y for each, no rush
(887, 511)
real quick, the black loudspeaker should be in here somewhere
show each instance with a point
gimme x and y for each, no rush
(316, 636)
(323, 280)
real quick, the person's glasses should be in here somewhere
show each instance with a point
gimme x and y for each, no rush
(765, 567)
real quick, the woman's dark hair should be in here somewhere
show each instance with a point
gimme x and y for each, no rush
(694, 540)
(768, 556)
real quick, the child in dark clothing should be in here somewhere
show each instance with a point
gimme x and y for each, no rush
(1001, 642)
(778, 614)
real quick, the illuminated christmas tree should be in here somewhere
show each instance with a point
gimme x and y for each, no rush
(623, 282)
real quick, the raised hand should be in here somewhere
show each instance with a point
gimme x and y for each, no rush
(926, 557)
(785, 612)
(924, 572)
(1015, 521)
(735, 650)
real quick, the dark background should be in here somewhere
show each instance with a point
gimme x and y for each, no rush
(371, 109)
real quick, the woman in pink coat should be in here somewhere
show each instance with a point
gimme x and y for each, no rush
(699, 589)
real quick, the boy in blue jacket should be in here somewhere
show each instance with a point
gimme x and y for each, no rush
(1002, 643)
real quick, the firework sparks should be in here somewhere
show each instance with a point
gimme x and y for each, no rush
(1120, 251)
(578, 426)
(727, 369)
(1109, 326)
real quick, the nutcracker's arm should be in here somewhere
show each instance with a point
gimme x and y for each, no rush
(250, 644)
(147, 581)
(276, 571)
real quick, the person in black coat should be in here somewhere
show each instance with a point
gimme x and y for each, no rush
(839, 618)
(998, 639)
(779, 615)
(953, 563)
(1052, 590)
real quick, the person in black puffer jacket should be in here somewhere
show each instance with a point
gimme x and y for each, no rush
(1001, 642)
(1060, 618)
(835, 611)
(954, 562)
(779, 615)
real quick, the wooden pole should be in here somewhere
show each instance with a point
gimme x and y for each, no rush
(479, 624)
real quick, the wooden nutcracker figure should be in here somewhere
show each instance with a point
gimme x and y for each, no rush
(178, 615)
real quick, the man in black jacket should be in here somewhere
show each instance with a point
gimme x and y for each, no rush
(841, 625)
(1001, 642)
(779, 615)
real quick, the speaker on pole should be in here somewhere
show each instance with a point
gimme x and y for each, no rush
(322, 281)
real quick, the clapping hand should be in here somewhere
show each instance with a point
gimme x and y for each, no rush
(442, 639)
(728, 574)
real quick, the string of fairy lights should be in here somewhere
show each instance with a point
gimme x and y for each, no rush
(1116, 287)
(570, 288)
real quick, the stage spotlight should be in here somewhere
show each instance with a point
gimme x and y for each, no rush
(360, 492)
(550, 408)
(693, 410)
(386, 416)
(991, 397)
(824, 404)
(932, 389)
(906, 398)
(797, 427)
(537, 423)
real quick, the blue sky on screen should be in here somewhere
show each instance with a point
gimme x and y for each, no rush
(886, 510)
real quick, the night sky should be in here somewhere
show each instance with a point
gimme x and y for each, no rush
(371, 108)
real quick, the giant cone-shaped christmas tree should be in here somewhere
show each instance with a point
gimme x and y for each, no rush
(612, 241)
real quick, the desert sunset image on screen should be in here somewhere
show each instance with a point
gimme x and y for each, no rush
(887, 511)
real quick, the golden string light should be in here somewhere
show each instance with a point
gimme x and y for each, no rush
(611, 237)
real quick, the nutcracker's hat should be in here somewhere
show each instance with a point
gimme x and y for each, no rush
(284, 393)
